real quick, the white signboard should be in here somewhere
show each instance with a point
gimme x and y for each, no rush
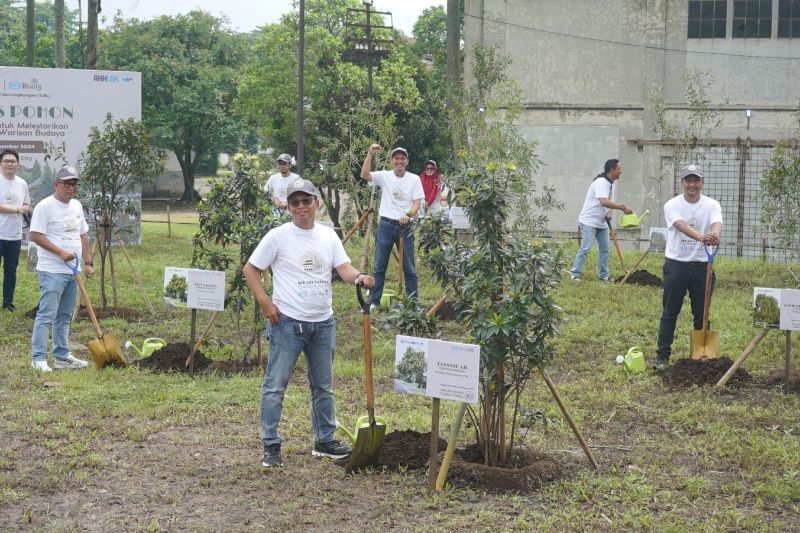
(459, 218)
(194, 288)
(790, 310)
(438, 369)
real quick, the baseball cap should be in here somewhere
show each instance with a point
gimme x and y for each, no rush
(66, 173)
(401, 150)
(301, 185)
(691, 170)
(286, 158)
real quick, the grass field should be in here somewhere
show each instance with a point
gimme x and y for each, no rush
(128, 450)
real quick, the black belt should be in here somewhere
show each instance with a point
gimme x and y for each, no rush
(390, 220)
(703, 264)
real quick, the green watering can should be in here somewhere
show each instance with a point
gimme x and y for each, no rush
(631, 221)
(387, 298)
(148, 347)
(634, 360)
(362, 422)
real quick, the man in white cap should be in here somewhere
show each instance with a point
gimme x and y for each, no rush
(301, 255)
(693, 220)
(59, 229)
(401, 197)
(278, 183)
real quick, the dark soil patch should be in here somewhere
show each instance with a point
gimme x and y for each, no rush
(777, 378)
(172, 357)
(118, 312)
(407, 449)
(525, 472)
(688, 372)
(447, 312)
(642, 277)
(233, 366)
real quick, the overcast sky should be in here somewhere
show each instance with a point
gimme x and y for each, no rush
(246, 15)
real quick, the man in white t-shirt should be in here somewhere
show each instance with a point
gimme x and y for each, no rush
(15, 202)
(301, 255)
(693, 220)
(401, 197)
(594, 220)
(278, 183)
(59, 229)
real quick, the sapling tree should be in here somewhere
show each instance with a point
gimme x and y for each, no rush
(502, 281)
(118, 161)
(234, 216)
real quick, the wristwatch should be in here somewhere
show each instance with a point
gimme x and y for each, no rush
(622, 207)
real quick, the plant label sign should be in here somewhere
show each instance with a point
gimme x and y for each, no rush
(790, 310)
(459, 218)
(437, 369)
(658, 240)
(194, 288)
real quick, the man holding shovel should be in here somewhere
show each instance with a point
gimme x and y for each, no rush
(59, 229)
(301, 254)
(693, 220)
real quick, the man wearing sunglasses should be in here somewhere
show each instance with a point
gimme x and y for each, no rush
(15, 202)
(401, 196)
(278, 183)
(301, 255)
(59, 229)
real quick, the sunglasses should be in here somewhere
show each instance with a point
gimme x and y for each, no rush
(430, 168)
(10, 161)
(305, 201)
(70, 185)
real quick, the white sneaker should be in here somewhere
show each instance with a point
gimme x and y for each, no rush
(41, 366)
(373, 308)
(70, 362)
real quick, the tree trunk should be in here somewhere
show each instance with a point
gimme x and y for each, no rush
(30, 33)
(454, 62)
(58, 8)
(188, 167)
(92, 9)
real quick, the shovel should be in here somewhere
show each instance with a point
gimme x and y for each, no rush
(105, 349)
(704, 344)
(616, 245)
(369, 439)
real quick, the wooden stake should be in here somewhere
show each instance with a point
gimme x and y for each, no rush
(113, 277)
(434, 451)
(135, 273)
(358, 225)
(368, 235)
(451, 447)
(787, 369)
(199, 341)
(400, 270)
(439, 303)
(635, 266)
(745, 354)
(169, 223)
(564, 410)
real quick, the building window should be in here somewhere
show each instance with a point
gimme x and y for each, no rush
(707, 19)
(789, 18)
(752, 19)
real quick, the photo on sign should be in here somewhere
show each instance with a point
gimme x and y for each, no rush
(658, 240)
(176, 286)
(766, 307)
(411, 365)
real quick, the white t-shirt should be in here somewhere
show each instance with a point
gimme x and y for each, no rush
(593, 212)
(13, 193)
(301, 262)
(397, 193)
(62, 224)
(277, 184)
(699, 216)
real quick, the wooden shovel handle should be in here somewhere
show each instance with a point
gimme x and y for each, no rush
(400, 246)
(89, 307)
(368, 378)
(616, 244)
(707, 298)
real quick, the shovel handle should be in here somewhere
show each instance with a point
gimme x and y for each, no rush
(85, 296)
(361, 301)
(711, 255)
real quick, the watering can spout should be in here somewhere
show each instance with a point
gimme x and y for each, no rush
(148, 347)
(129, 345)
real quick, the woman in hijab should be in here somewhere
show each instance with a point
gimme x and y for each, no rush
(432, 186)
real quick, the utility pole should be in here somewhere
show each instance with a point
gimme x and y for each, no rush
(301, 48)
(58, 11)
(361, 38)
(30, 33)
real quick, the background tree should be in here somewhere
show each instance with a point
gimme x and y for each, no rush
(13, 35)
(117, 162)
(190, 70)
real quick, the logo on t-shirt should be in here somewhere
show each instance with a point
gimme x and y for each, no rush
(70, 226)
(11, 198)
(311, 262)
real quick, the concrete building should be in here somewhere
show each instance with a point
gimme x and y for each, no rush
(592, 70)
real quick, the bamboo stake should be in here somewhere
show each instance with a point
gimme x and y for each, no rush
(400, 270)
(451, 447)
(201, 338)
(169, 223)
(745, 354)
(113, 277)
(135, 272)
(358, 225)
(641, 258)
(571, 422)
(368, 235)
(439, 303)
(434, 451)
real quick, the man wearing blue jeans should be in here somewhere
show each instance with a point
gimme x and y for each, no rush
(594, 217)
(301, 255)
(401, 196)
(59, 229)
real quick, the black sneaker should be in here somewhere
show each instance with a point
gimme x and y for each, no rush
(332, 449)
(10, 307)
(661, 362)
(272, 456)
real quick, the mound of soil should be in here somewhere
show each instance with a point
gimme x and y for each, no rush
(447, 312)
(776, 378)
(525, 472)
(642, 277)
(172, 357)
(407, 449)
(118, 312)
(688, 372)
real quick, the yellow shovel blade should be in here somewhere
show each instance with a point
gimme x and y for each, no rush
(704, 344)
(106, 351)
(367, 448)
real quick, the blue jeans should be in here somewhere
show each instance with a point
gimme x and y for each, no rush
(9, 255)
(389, 232)
(57, 294)
(317, 340)
(588, 235)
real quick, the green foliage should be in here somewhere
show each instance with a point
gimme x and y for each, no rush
(780, 192)
(406, 316)
(12, 35)
(766, 311)
(117, 162)
(412, 367)
(190, 68)
(176, 288)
